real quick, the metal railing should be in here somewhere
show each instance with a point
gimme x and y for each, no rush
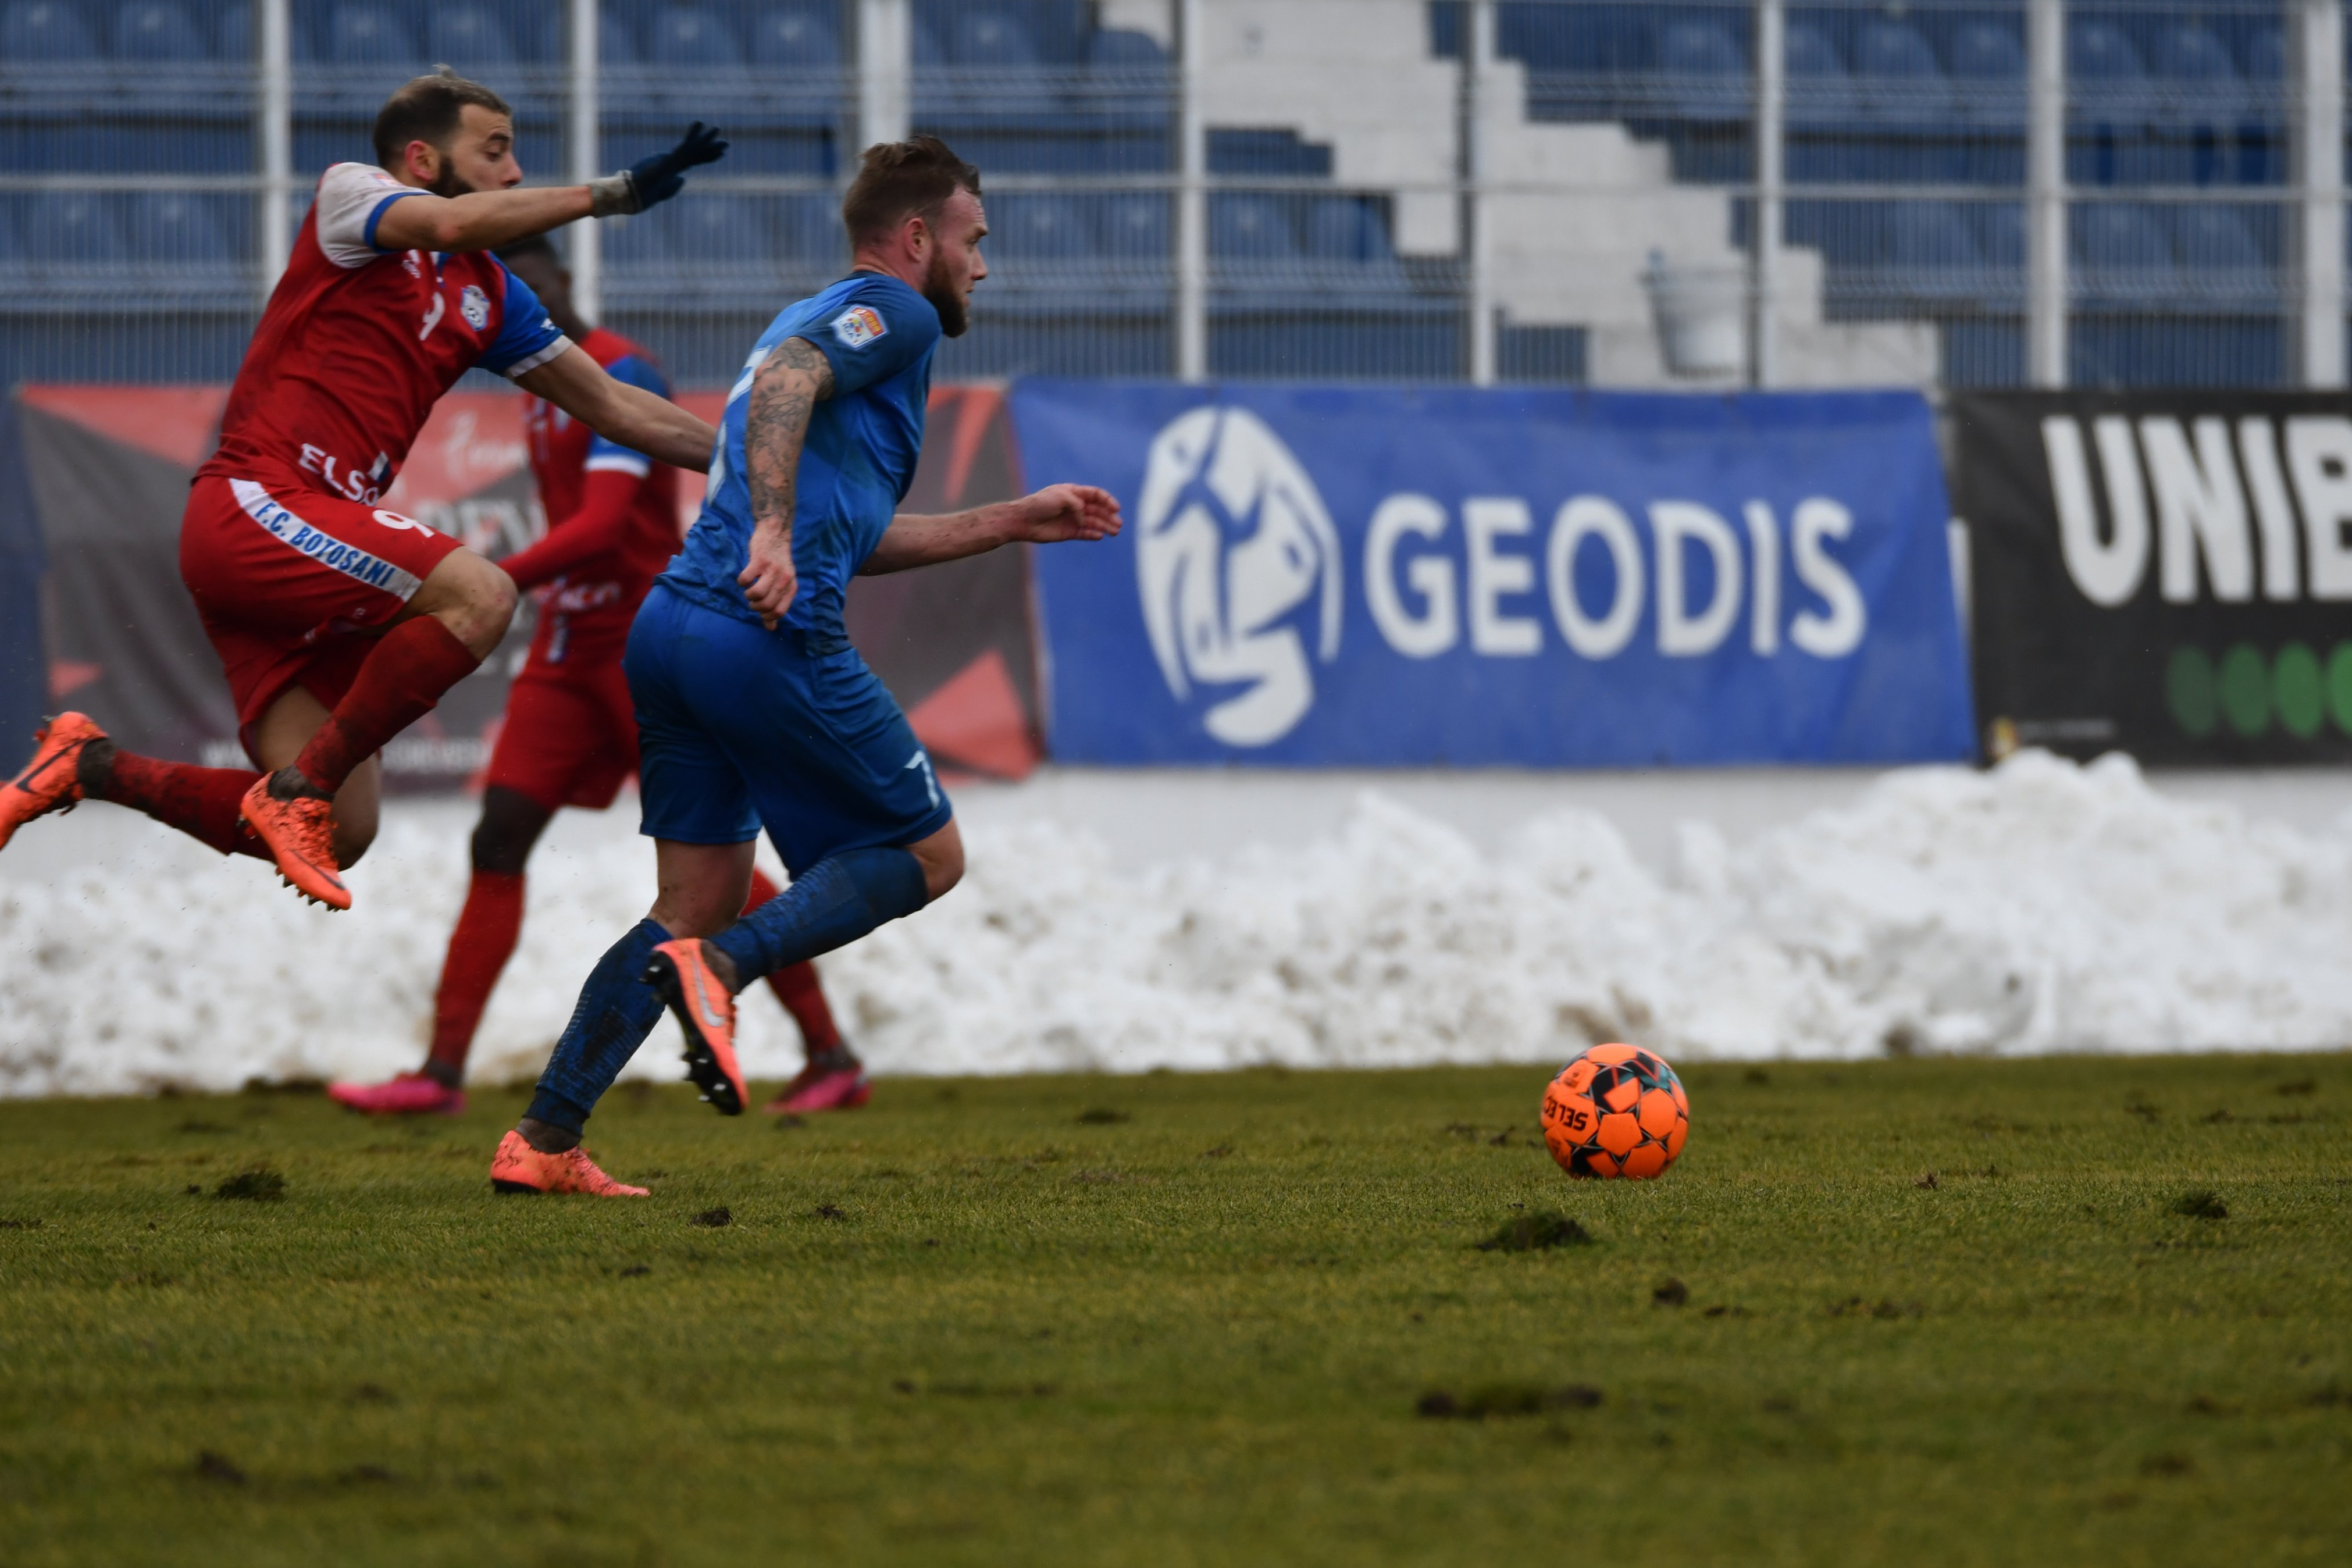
(1941, 191)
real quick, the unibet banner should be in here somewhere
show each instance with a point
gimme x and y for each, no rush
(2164, 573)
(1459, 576)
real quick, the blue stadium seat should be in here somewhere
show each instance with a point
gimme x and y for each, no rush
(1984, 51)
(1347, 228)
(2216, 239)
(795, 38)
(2189, 52)
(1987, 68)
(993, 37)
(2123, 252)
(1031, 227)
(1575, 40)
(233, 41)
(1705, 70)
(156, 31)
(67, 229)
(2199, 78)
(1248, 226)
(1900, 82)
(639, 241)
(1849, 235)
(1136, 226)
(2000, 234)
(1121, 49)
(1821, 93)
(716, 228)
(179, 228)
(808, 229)
(616, 41)
(468, 38)
(371, 36)
(35, 31)
(686, 38)
(2102, 53)
(2266, 55)
(1933, 251)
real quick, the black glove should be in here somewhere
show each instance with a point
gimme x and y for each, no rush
(662, 176)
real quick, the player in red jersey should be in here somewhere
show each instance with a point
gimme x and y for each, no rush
(571, 735)
(338, 622)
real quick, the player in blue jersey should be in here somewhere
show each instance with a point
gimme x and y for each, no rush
(752, 708)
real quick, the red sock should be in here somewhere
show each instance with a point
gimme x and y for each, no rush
(478, 951)
(405, 674)
(796, 985)
(200, 802)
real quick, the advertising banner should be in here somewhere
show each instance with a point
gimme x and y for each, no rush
(95, 477)
(1458, 576)
(2166, 574)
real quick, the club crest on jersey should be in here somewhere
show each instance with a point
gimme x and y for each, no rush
(859, 325)
(475, 306)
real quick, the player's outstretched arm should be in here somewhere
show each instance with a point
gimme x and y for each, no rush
(1054, 515)
(484, 220)
(785, 392)
(628, 416)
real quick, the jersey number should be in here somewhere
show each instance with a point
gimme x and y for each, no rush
(432, 317)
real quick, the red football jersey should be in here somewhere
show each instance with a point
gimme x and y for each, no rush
(584, 615)
(357, 343)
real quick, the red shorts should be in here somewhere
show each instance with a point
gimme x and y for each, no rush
(570, 736)
(293, 584)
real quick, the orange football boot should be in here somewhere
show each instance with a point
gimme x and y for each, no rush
(50, 781)
(300, 835)
(707, 1010)
(517, 1167)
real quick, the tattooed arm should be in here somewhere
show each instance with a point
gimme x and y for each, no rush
(784, 395)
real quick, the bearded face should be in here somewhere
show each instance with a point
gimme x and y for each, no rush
(939, 288)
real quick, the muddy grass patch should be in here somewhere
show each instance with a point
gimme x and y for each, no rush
(1536, 1233)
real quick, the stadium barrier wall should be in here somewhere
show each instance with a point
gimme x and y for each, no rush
(2166, 574)
(1324, 576)
(93, 480)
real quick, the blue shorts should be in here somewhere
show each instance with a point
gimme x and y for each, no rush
(739, 728)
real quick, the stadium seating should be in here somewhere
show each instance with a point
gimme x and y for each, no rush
(2123, 254)
(1136, 227)
(1029, 226)
(1820, 94)
(1900, 82)
(795, 38)
(157, 31)
(179, 229)
(362, 35)
(46, 32)
(468, 38)
(1704, 71)
(1250, 226)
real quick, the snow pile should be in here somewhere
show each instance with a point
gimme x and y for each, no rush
(2035, 908)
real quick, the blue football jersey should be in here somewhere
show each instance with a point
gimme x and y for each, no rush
(856, 467)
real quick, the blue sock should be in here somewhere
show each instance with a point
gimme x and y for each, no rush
(617, 1010)
(840, 898)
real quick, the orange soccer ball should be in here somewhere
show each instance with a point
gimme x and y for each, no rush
(1616, 1111)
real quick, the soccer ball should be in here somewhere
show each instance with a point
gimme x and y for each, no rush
(1616, 1111)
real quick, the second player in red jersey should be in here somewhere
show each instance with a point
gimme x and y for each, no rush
(570, 738)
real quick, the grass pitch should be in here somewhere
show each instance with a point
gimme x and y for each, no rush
(1926, 1311)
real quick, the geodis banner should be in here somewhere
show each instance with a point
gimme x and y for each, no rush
(1314, 576)
(2167, 573)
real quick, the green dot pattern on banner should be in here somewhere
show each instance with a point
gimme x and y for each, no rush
(2246, 690)
(2189, 688)
(2339, 685)
(2299, 690)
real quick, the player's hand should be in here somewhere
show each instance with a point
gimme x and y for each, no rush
(663, 175)
(768, 578)
(1062, 512)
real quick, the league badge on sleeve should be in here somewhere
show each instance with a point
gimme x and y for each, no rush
(475, 306)
(859, 325)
